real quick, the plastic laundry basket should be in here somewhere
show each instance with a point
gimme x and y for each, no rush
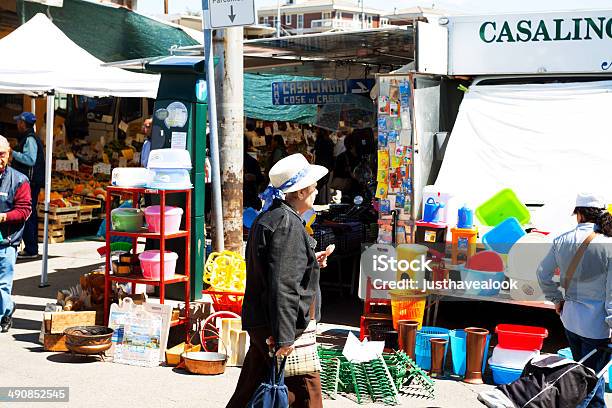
(407, 306)
(423, 348)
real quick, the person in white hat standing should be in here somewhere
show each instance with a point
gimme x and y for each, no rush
(282, 284)
(584, 257)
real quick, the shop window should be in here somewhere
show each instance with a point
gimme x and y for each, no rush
(61, 102)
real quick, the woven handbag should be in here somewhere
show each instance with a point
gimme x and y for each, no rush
(304, 359)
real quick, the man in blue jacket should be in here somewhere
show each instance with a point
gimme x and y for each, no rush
(585, 305)
(29, 159)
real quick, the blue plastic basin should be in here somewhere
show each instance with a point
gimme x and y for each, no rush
(503, 375)
(501, 238)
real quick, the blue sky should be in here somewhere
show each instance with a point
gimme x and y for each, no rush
(463, 6)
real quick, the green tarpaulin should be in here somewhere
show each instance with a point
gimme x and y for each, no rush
(108, 32)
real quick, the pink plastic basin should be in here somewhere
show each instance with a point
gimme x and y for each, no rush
(519, 337)
(172, 218)
(150, 264)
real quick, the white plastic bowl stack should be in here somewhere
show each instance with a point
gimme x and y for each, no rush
(523, 261)
(170, 169)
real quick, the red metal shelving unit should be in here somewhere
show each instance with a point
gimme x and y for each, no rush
(162, 237)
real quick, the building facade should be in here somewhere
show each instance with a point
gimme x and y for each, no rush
(317, 16)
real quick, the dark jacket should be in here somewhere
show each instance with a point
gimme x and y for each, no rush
(36, 173)
(16, 202)
(282, 275)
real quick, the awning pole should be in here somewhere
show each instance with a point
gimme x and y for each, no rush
(48, 157)
(217, 208)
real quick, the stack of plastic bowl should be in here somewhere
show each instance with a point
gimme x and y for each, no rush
(517, 345)
(523, 260)
(131, 177)
(170, 169)
(485, 272)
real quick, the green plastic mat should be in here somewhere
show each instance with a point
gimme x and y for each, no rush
(379, 380)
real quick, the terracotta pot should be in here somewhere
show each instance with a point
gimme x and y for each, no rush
(438, 346)
(476, 339)
(407, 336)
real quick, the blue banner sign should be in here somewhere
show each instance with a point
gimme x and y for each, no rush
(318, 92)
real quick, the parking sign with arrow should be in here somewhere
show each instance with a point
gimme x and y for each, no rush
(229, 13)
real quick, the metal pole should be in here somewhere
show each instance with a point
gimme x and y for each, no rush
(278, 23)
(362, 16)
(231, 111)
(48, 156)
(214, 141)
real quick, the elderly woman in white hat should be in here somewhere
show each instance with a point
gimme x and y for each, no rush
(584, 257)
(282, 290)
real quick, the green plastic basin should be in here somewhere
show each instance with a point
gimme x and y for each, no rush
(503, 205)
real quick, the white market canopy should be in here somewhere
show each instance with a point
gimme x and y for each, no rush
(38, 57)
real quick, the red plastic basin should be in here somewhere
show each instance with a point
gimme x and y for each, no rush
(518, 337)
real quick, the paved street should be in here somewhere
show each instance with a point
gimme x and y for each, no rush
(94, 384)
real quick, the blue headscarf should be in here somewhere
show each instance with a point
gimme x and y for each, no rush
(271, 192)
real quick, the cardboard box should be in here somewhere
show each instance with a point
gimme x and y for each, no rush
(173, 355)
(57, 322)
(54, 342)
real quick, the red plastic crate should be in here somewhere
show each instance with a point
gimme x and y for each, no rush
(226, 301)
(518, 337)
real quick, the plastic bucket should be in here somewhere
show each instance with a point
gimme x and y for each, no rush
(173, 217)
(407, 306)
(410, 253)
(150, 264)
(458, 353)
(422, 348)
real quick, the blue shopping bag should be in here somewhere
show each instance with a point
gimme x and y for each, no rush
(272, 393)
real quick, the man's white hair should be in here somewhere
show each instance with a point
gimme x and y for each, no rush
(4, 143)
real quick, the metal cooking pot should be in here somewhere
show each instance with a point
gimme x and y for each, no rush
(207, 363)
(88, 339)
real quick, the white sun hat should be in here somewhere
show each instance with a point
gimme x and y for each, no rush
(290, 174)
(590, 200)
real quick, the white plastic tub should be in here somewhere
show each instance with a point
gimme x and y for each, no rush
(150, 263)
(131, 176)
(170, 179)
(169, 159)
(514, 359)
